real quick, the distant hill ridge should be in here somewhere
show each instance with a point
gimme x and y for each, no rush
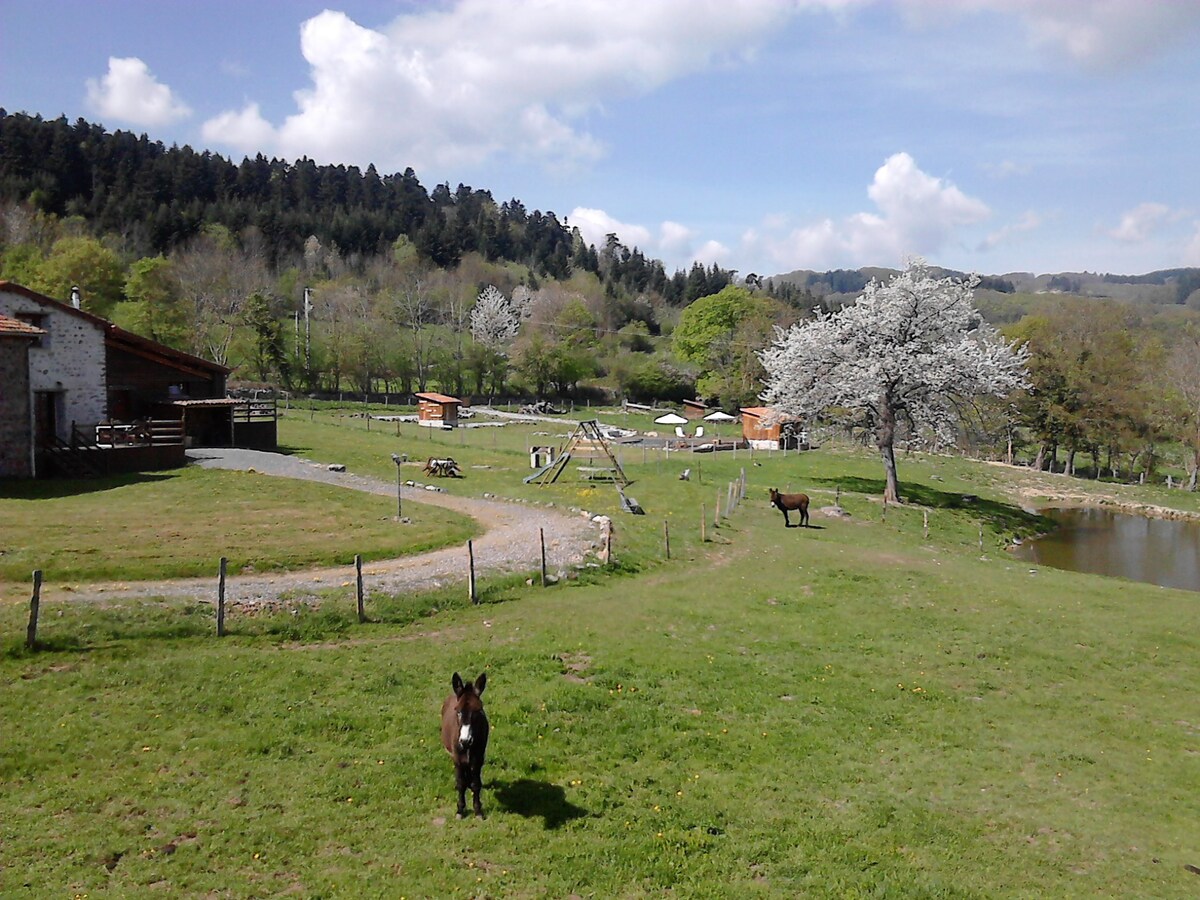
(1165, 286)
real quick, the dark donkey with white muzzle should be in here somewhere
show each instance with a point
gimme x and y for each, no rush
(465, 737)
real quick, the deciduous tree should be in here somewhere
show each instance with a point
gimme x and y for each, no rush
(721, 335)
(909, 352)
(494, 322)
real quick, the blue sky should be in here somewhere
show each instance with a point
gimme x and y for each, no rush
(765, 135)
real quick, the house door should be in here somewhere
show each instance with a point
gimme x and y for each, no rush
(120, 405)
(45, 412)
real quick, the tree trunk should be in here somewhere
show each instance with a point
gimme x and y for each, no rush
(1071, 462)
(1039, 461)
(885, 435)
(1194, 471)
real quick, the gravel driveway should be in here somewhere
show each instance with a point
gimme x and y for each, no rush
(510, 542)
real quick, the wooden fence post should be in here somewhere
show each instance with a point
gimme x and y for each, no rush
(358, 587)
(980, 537)
(221, 598)
(35, 604)
(542, 539)
(667, 538)
(925, 517)
(703, 519)
(471, 573)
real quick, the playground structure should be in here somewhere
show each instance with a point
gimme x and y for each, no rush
(584, 442)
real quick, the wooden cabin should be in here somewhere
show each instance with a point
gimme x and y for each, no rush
(765, 429)
(437, 410)
(694, 409)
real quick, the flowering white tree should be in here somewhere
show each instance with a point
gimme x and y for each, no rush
(913, 351)
(494, 322)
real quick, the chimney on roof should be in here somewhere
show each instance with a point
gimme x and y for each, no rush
(75, 296)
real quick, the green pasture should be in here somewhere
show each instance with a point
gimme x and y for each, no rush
(850, 710)
(180, 522)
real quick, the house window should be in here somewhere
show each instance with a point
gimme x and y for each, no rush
(37, 320)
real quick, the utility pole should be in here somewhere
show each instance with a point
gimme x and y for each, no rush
(307, 336)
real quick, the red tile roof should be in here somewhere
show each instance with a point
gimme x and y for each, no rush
(17, 328)
(437, 398)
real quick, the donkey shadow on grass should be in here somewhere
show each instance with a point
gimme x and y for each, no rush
(1002, 516)
(529, 798)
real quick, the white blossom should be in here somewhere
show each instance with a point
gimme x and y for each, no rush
(494, 322)
(911, 351)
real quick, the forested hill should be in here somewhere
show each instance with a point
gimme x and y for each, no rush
(158, 198)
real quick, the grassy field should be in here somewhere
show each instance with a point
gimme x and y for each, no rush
(178, 523)
(850, 710)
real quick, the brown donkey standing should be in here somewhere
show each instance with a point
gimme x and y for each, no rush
(792, 502)
(465, 737)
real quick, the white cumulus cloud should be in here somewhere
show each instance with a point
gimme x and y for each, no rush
(596, 225)
(457, 84)
(245, 128)
(129, 92)
(1097, 34)
(1030, 221)
(917, 214)
(1140, 222)
(1103, 33)
(677, 245)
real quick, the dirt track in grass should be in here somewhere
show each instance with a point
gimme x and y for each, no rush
(510, 542)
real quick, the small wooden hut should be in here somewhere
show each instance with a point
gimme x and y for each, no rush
(694, 409)
(437, 410)
(765, 429)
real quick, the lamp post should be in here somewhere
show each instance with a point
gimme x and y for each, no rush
(399, 502)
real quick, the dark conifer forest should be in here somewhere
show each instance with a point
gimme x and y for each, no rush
(159, 198)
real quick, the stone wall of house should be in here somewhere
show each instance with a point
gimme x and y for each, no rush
(16, 416)
(70, 360)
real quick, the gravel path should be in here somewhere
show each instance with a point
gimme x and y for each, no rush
(509, 543)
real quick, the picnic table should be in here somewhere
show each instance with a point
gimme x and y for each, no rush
(443, 467)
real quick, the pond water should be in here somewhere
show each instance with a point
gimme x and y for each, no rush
(1157, 551)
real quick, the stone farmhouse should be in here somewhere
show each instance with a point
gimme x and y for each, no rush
(81, 396)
